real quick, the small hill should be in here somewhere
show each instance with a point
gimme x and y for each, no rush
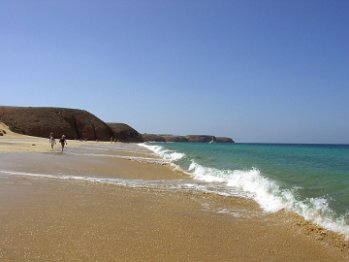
(41, 121)
(189, 138)
(125, 133)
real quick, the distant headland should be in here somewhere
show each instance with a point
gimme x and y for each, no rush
(82, 125)
(189, 138)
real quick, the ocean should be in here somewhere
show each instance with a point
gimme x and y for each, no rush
(310, 180)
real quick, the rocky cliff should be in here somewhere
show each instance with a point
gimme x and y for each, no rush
(82, 125)
(41, 121)
(125, 133)
(152, 138)
(189, 138)
(74, 123)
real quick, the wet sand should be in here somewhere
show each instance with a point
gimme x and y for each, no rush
(53, 219)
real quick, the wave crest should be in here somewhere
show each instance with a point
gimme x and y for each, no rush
(271, 197)
(166, 154)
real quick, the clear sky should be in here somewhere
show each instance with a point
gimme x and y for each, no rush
(253, 70)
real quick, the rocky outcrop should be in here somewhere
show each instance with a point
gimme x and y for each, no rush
(189, 138)
(82, 125)
(200, 138)
(171, 138)
(2, 132)
(41, 121)
(125, 133)
(153, 138)
(224, 140)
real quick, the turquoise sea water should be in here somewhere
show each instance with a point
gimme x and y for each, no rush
(311, 180)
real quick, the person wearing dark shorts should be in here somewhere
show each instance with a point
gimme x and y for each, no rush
(63, 142)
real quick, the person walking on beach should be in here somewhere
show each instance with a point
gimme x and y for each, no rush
(52, 140)
(63, 142)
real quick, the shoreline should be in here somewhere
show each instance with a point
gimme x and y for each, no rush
(58, 219)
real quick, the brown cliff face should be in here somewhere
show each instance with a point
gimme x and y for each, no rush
(82, 125)
(153, 138)
(189, 138)
(200, 138)
(124, 133)
(171, 138)
(224, 140)
(41, 121)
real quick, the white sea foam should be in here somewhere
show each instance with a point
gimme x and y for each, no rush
(179, 184)
(135, 158)
(100, 180)
(165, 154)
(266, 192)
(271, 197)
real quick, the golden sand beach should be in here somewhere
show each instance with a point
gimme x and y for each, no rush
(111, 202)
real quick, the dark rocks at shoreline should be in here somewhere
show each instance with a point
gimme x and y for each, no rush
(153, 138)
(224, 140)
(201, 138)
(172, 138)
(125, 133)
(189, 138)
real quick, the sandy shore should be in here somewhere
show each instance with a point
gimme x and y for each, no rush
(47, 216)
(13, 142)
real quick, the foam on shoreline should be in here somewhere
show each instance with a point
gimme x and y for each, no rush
(266, 192)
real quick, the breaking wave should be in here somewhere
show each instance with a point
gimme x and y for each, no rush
(166, 154)
(270, 196)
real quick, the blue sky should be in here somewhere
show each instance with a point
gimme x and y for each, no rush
(256, 71)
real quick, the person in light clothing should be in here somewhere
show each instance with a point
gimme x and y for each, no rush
(52, 140)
